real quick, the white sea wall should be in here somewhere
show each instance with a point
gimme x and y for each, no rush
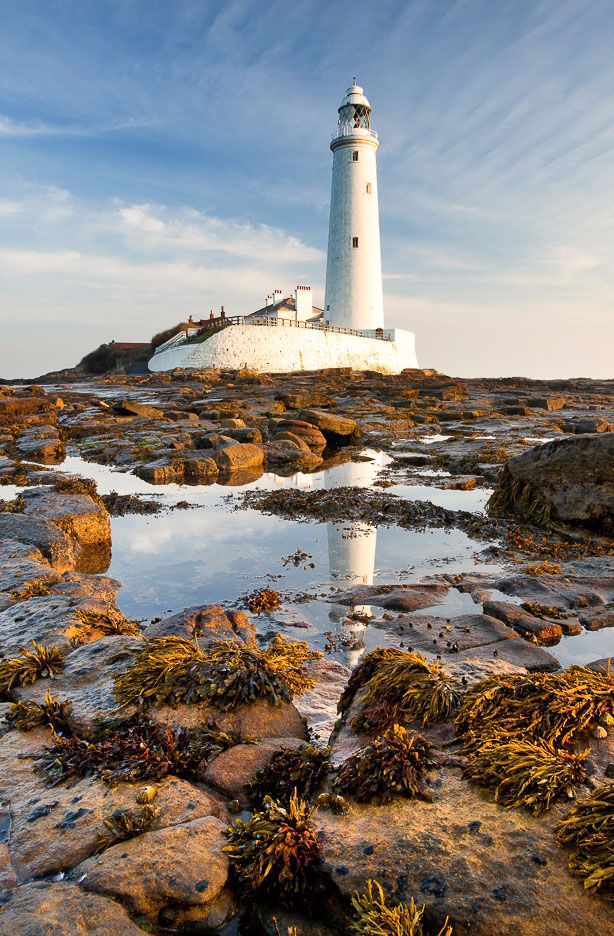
(278, 350)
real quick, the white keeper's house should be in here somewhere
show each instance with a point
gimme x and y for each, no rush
(290, 333)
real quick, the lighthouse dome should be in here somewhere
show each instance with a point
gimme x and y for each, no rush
(355, 95)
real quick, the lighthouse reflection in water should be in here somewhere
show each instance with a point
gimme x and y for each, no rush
(351, 554)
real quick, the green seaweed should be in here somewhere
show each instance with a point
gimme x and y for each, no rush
(225, 673)
(25, 716)
(373, 916)
(276, 852)
(302, 771)
(400, 688)
(588, 831)
(392, 765)
(39, 662)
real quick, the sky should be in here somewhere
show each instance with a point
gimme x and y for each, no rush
(161, 157)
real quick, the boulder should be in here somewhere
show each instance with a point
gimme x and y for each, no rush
(83, 520)
(132, 408)
(12, 408)
(55, 828)
(87, 682)
(22, 565)
(493, 871)
(547, 403)
(256, 719)
(57, 549)
(208, 623)
(338, 430)
(232, 770)
(173, 468)
(537, 629)
(570, 480)
(47, 909)
(56, 618)
(307, 432)
(394, 597)
(169, 875)
(41, 444)
(590, 424)
(286, 455)
(240, 457)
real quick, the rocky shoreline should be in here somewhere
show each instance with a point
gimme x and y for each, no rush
(97, 837)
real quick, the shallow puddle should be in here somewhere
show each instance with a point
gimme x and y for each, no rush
(215, 553)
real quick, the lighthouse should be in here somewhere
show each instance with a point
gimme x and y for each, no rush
(349, 331)
(354, 267)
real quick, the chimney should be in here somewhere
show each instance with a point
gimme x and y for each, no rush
(277, 296)
(303, 303)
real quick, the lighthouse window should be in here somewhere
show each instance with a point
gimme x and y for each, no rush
(355, 155)
(368, 188)
(354, 242)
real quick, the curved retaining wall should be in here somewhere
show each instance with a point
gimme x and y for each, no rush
(282, 350)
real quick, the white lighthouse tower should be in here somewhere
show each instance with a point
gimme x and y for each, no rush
(354, 266)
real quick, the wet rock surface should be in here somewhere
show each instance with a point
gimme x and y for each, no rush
(491, 870)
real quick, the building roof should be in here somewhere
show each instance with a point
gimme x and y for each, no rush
(129, 345)
(284, 305)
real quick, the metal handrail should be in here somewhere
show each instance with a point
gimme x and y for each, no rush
(346, 131)
(275, 321)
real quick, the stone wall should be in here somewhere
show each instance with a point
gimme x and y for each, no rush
(282, 350)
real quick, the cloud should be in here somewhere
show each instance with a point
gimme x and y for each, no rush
(195, 231)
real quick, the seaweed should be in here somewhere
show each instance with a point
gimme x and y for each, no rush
(391, 765)
(520, 498)
(276, 852)
(543, 568)
(264, 599)
(136, 750)
(374, 917)
(37, 663)
(109, 624)
(225, 673)
(553, 707)
(302, 771)
(525, 773)
(400, 687)
(36, 588)
(25, 716)
(124, 824)
(588, 831)
(334, 802)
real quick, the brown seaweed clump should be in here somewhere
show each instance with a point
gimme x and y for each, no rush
(393, 764)
(526, 773)
(39, 662)
(302, 771)
(50, 713)
(520, 732)
(225, 673)
(373, 916)
(136, 750)
(276, 852)
(264, 599)
(553, 707)
(109, 624)
(124, 824)
(400, 688)
(514, 497)
(588, 831)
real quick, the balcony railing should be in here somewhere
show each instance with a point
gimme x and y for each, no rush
(267, 321)
(346, 131)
